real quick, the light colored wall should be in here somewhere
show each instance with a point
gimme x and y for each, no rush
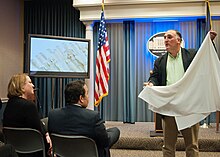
(11, 41)
(143, 9)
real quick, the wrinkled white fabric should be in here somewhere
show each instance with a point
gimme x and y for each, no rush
(193, 97)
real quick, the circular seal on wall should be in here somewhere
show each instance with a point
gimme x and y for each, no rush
(156, 46)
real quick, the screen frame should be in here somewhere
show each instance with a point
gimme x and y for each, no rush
(59, 74)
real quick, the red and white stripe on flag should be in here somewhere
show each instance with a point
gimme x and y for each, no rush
(102, 62)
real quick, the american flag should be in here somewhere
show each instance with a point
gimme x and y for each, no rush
(102, 62)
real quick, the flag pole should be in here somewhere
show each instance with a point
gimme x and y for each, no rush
(102, 5)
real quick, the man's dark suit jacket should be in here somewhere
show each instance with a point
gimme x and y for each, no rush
(75, 120)
(158, 78)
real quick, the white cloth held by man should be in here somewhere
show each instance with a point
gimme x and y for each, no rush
(199, 88)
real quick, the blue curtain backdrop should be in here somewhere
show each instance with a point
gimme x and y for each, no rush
(129, 72)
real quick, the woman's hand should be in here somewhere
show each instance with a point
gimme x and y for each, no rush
(50, 142)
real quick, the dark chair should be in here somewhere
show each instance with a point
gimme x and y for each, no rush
(71, 145)
(24, 140)
(7, 150)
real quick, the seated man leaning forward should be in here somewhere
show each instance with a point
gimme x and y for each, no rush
(75, 119)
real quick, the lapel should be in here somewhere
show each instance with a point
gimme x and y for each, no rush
(163, 69)
(185, 58)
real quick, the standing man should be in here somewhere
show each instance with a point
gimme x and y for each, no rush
(168, 69)
(75, 119)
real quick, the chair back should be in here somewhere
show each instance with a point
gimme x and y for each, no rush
(24, 140)
(72, 145)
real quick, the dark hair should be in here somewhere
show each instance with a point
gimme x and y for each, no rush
(179, 34)
(73, 90)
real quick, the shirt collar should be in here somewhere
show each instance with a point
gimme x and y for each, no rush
(77, 105)
(177, 56)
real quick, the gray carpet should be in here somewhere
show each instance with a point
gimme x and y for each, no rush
(135, 140)
(149, 153)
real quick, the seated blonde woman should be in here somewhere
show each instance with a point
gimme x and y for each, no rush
(21, 111)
